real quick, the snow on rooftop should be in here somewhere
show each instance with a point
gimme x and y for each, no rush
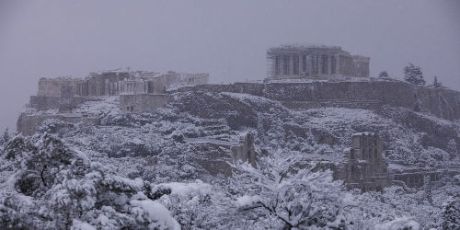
(158, 212)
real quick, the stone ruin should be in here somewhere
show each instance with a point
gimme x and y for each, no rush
(315, 62)
(64, 93)
(139, 91)
(245, 150)
(364, 166)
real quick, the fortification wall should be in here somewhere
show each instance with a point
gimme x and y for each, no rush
(140, 103)
(441, 102)
(62, 104)
(44, 102)
(28, 124)
(248, 88)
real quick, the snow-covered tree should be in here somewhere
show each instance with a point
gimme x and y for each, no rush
(451, 215)
(452, 148)
(383, 74)
(413, 74)
(5, 137)
(282, 195)
(55, 187)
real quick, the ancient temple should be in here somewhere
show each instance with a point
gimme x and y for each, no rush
(315, 62)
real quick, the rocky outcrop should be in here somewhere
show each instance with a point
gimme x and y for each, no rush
(437, 133)
(238, 112)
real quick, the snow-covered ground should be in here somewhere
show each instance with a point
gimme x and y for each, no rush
(169, 169)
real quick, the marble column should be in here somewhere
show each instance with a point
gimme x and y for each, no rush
(308, 72)
(330, 64)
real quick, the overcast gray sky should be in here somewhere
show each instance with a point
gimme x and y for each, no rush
(228, 39)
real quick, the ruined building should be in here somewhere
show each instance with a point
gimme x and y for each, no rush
(364, 166)
(64, 93)
(245, 151)
(114, 83)
(138, 91)
(315, 62)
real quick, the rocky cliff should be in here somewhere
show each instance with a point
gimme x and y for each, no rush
(441, 102)
(189, 143)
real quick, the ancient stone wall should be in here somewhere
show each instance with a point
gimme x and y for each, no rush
(44, 102)
(417, 179)
(364, 167)
(441, 102)
(245, 151)
(143, 102)
(256, 89)
(59, 87)
(29, 124)
(172, 80)
(59, 103)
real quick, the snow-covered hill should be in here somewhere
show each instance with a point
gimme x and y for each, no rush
(174, 167)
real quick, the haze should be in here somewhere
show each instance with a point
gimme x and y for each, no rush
(228, 39)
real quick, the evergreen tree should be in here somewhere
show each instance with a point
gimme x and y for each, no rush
(436, 83)
(383, 74)
(413, 74)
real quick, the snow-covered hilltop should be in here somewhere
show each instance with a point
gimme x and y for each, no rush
(238, 156)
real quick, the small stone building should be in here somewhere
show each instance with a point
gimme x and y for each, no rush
(315, 62)
(365, 167)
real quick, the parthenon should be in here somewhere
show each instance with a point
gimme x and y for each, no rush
(315, 62)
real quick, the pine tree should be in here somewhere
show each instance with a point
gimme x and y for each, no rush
(413, 74)
(436, 83)
(383, 74)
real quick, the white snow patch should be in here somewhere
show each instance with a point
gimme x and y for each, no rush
(80, 225)
(157, 212)
(247, 200)
(197, 187)
(399, 223)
